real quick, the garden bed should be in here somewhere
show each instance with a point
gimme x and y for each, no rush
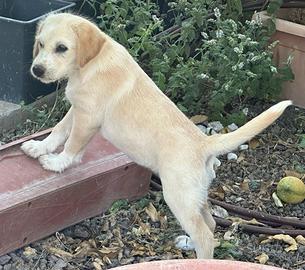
(126, 233)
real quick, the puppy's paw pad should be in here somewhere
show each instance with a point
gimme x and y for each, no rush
(55, 162)
(184, 242)
(34, 148)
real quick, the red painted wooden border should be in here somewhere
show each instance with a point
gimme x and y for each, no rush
(35, 203)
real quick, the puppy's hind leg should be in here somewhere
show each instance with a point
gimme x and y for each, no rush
(186, 202)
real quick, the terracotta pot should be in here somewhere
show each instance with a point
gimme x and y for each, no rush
(197, 265)
(291, 37)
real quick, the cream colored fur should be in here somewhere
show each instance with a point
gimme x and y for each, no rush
(111, 94)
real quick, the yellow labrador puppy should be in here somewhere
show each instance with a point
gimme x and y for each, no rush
(111, 94)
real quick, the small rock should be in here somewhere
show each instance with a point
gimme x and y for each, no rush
(81, 232)
(4, 259)
(59, 265)
(243, 147)
(202, 128)
(209, 130)
(232, 156)
(219, 211)
(8, 267)
(216, 125)
(184, 242)
(232, 127)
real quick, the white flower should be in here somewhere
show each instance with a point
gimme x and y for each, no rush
(233, 24)
(258, 19)
(219, 33)
(217, 13)
(273, 69)
(253, 42)
(240, 36)
(172, 4)
(234, 68)
(255, 58)
(211, 42)
(237, 50)
(251, 74)
(240, 91)
(241, 65)
(289, 60)
(155, 18)
(205, 35)
(203, 76)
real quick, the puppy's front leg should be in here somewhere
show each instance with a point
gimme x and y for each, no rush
(82, 131)
(57, 137)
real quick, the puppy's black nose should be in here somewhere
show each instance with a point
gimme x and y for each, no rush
(38, 70)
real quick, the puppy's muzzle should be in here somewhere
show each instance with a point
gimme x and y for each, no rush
(38, 71)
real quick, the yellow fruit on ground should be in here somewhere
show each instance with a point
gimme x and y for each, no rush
(291, 190)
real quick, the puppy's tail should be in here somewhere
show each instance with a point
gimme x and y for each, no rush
(223, 143)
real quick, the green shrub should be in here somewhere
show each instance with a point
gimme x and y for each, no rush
(209, 63)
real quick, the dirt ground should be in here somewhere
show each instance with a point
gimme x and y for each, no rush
(145, 230)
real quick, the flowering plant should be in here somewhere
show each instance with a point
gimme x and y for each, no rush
(209, 65)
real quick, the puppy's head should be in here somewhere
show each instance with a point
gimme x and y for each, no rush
(64, 43)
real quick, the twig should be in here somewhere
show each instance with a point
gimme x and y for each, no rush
(259, 230)
(295, 222)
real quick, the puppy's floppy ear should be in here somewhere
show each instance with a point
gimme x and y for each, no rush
(38, 31)
(89, 42)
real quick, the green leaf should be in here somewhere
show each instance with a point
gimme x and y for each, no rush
(302, 141)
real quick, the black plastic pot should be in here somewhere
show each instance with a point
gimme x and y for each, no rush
(18, 20)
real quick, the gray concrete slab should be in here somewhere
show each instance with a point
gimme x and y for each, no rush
(13, 114)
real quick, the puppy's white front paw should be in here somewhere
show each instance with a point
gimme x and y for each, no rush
(34, 148)
(184, 242)
(56, 162)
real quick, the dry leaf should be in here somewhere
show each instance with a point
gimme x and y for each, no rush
(285, 238)
(111, 252)
(263, 258)
(97, 266)
(240, 158)
(29, 252)
(228, 235)
(198, 119)
(254, 143)
(218, 193)
(238, 221)
(245, 185)
(300, 239)
(152, 212)
(84, 249)
(107, 260)
(59, 253)
(277, 200)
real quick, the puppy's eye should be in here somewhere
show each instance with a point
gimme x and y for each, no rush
(61, 48)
